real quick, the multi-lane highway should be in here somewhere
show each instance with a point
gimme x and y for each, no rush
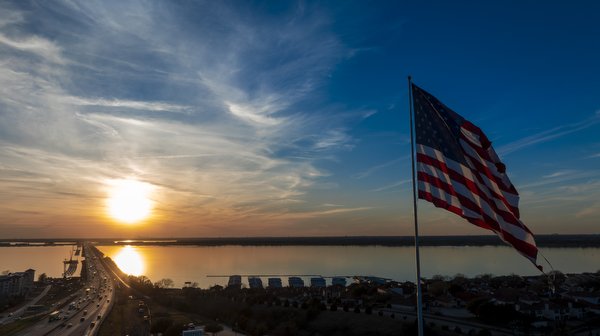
(82, 313)
(18, 314)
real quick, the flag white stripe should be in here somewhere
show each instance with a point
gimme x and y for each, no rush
(474, 138)
(513, 230)
(512, 199)
(473, 154)
(461, 188)
(499, 177)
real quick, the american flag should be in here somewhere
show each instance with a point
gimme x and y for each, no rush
(458, 170)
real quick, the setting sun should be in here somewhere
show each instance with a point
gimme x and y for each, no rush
(129, 200)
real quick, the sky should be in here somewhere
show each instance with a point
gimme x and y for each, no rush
(283, 118)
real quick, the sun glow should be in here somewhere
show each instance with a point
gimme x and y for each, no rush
(130, 261)
(128, 200)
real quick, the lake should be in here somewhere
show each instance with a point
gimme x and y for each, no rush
(194, 263)
(43, 259)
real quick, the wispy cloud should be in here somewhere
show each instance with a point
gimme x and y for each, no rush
(316, 214)
(260, 116)
(561, 177)
(594, 156)
(371, 170)
(391, 186)
(128, 104)
(548, 135)
(559, 173)
(228, 134)
(333, 138)
(592, 210)
(34, 45)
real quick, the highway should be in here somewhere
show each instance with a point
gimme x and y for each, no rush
(82, 313)
(19, 312)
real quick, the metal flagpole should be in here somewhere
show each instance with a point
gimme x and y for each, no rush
(412, 156)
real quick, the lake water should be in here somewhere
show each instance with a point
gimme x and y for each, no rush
(194, 263)
(43, 259)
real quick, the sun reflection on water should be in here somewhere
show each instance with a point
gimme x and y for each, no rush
(130, 261)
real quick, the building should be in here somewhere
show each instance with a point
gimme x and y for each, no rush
(255, 282)
(193, 332)
(28, 279)
(235, 281)
(318, 282)
(338, 281)
(275, 283)
(17, 284)
(295, 282)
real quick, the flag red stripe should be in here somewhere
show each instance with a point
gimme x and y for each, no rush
(489, 158)
(473, 188)
(440, 203)
(485, 213)
(471, 185)
(522, 246)
(470, 173)
(468, 202)
(483, 171)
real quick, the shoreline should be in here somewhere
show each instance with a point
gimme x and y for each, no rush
(554, 240)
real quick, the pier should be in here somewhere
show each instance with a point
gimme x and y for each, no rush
(70, 265)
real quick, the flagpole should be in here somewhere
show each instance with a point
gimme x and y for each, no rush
(418, 261)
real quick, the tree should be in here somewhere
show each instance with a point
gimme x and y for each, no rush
(161, 325)
(213, 327)
(42, 277)
(474, 305)
(437, 288)
(164, 283)
(438, 277)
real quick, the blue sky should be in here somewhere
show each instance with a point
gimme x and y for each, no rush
(286, 118)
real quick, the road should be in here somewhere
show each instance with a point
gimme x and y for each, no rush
(19, 312)
(88, 307)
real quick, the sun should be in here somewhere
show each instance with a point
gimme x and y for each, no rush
(129, 201)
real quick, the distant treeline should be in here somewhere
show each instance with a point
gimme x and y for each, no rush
(489, 240)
